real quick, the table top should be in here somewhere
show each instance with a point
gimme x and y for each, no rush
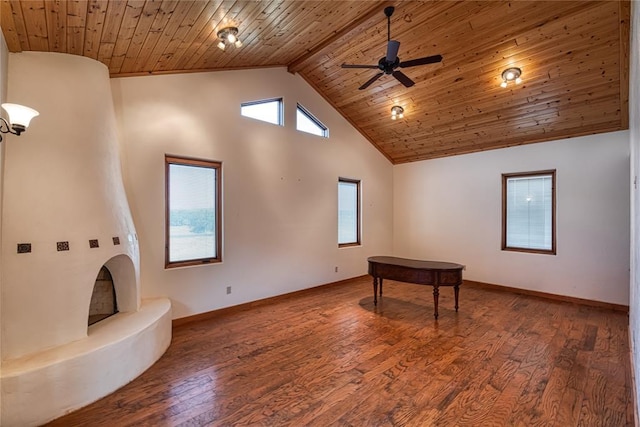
(417, 264)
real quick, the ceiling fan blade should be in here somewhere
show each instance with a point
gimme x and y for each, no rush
(421, 61)
(371, 80)
(402, 78)
(373, 67)
(392, 50)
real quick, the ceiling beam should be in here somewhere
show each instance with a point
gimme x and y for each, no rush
(375, 12)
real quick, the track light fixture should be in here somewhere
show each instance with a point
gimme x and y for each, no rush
(397, 112)
(19, 118)
(227, 36)
(511, 75)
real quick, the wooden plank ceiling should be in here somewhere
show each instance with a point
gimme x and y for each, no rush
(573, 56)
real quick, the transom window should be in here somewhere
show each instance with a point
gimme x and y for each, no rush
(193, 225)
(268, 110)
(306, 122)
(528, 212)
(348, 212)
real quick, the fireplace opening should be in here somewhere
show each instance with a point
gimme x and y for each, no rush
(103, 300)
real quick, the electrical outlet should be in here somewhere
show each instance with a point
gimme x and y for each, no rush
(336, 268)
(228, 290)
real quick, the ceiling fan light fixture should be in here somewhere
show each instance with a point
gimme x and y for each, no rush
(397, 112)
(511, 75)
(228, 36)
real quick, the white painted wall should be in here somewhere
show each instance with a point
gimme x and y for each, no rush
(4, 52)
(279, 185)
(450, 209)
(634, 127)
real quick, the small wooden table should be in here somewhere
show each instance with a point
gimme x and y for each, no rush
(432, 273)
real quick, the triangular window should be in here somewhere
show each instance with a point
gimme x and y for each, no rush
(306, 122)
(268, 110)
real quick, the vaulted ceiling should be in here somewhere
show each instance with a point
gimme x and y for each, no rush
(573, 56)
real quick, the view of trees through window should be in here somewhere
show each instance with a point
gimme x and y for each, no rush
(193, 188)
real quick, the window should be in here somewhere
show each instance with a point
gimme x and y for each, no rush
(348, 212)
(305, 122)
(268, 110)
(528, 212)
(193, 189)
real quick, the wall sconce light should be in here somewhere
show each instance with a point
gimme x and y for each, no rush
(19, 118)
(397, 112)
(227, 36)
(511, 75)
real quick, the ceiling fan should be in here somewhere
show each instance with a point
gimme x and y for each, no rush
(388, 64)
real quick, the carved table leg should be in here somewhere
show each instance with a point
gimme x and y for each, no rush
(375, 291)
(456, 291)
(436, 293)
(381, 286)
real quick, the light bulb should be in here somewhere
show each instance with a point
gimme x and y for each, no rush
(221, 45)
(238, 43)
(231, 38)
(503, 84)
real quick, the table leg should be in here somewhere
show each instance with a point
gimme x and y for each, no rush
(456, 291)
(381, 286)
(375, 291)
(436, 293)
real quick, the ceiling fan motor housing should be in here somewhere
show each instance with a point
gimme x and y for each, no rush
(387, 67)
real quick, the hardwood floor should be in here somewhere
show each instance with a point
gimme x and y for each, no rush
(328, 357)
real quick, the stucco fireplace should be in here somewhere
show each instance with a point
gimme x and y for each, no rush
(65, 218)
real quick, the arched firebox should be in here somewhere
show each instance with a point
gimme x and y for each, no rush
(103, 299)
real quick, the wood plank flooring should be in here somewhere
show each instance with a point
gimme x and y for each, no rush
(328, 357)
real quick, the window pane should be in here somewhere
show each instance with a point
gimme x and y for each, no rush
(348, 212)
(192, 212)
(305, 122)
(529, 212)
(267, 111)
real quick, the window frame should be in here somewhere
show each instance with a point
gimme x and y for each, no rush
(314, 119)
(194, 162)
(357, 182)
(280, 102)
(505, 178)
